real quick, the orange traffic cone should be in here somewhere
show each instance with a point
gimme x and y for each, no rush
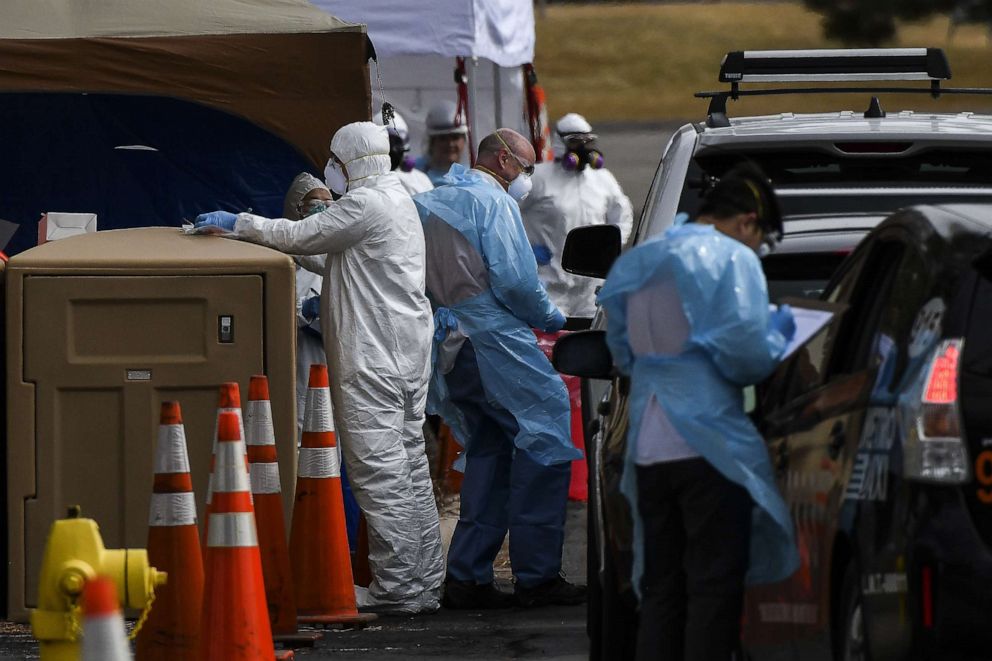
(318, 543)
(267, 494)
(228, 401)
(173, 626)
(235, 620)
(103, 627)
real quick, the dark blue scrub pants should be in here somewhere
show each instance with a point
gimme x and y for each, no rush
(503, 489)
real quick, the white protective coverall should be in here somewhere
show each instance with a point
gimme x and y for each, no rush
(414, 181)
(559, 202)
(309, 345)
(378, 329)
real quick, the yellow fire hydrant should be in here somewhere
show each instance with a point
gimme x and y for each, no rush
(74, 554)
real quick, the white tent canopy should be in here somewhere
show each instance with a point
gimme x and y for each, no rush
(417, 42)
(501, 31)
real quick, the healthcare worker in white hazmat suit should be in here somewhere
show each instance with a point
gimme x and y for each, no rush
(377, 335)
(572, 191)
(400, 161)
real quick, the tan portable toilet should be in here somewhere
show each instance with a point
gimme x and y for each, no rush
(103, 327)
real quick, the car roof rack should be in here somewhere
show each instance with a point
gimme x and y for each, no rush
(831, 65)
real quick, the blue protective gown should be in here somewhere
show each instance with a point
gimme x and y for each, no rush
(731, 345)
(496, 301)
(437, 177)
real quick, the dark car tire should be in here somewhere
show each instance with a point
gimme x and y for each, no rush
(850, 642)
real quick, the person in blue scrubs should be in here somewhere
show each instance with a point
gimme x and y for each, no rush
(688, 321)
(492, 384)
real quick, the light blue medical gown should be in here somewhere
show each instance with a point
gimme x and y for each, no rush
(482, 279)
(731, 345)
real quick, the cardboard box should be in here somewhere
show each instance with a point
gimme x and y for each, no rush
(61, 225)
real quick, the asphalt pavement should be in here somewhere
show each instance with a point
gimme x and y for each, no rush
(556, 633)
(632, 153)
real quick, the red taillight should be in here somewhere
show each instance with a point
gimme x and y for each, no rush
(926, 597)
(942, 382)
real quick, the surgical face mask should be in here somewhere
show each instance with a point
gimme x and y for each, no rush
(334, 177)
(520, 187)
(310, 207)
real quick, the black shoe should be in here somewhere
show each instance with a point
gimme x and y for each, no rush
(557, 592)
(465, 595)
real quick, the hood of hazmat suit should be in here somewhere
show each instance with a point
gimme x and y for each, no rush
(309, 339)
(377, 332)
(559, 202)
(730, 344)
(483, 280)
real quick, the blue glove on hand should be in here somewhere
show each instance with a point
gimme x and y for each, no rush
(783, 321)
(311, 307)
(557, 323)
(542, 254)
(222, 219)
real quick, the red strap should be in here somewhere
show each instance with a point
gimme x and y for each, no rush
(537, 115)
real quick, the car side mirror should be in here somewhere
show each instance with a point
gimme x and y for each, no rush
(591, 250)
(583, 354)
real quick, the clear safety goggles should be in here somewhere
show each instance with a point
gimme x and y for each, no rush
(528, 169)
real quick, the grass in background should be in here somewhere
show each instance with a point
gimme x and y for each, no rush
(644, 62)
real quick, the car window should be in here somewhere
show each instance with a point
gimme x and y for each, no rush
(891, 340)
(799, 275)
(856, 346)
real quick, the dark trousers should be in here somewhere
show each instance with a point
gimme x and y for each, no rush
(697, 528)
(503, 490)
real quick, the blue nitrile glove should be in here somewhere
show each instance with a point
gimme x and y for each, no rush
(542, 254)
(311, 307)
(783, 321)
(557, 323)
(222, 219)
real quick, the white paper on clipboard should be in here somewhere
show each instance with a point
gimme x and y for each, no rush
(809, 322)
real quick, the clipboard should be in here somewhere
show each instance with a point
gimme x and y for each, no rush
(812, 317)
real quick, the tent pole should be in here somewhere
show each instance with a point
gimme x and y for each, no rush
(497, 95)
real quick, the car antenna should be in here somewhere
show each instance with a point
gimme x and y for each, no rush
(874, 109)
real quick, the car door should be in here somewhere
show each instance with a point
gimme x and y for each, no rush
(812, 412)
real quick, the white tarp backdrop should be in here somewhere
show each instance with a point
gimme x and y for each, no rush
(501, 31)
(417, 43)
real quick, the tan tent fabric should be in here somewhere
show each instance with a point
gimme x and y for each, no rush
(63, 19)
(300, 85)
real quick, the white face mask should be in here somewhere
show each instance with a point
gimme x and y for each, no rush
(334, 177)
(520, 187)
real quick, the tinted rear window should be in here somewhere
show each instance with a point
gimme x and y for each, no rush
(802, 275)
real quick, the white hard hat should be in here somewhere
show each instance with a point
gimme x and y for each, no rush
(442, 120)
(573, 122)
(398, 124)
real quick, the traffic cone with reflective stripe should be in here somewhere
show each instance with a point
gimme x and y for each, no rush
(235, 623)
(228, 401)
(266, 491)
(173, 626)
(318, 542)
(103, 627)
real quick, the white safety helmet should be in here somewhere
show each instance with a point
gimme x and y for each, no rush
(569, 124)
(398, 125)
(442, 120)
